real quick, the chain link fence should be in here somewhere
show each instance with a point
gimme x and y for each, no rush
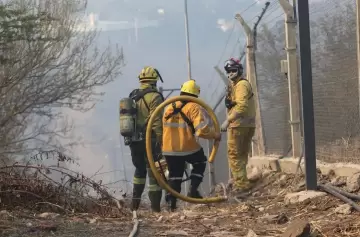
(335, 80)
(335, 85)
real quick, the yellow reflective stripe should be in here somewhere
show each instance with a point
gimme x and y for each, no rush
(197, 175)
(179, 153)
(139, 180)
(154, 187)
(206, 118)
(175, 125)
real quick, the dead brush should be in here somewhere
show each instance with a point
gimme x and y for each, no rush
(30, 186)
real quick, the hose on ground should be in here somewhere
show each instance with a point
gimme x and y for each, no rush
(136, 225)
(340, 196)
(150, 158)
(346, 194)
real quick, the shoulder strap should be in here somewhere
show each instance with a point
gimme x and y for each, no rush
(138, 94)
(252, 93)
(183, 116)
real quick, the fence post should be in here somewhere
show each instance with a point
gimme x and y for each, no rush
(358, 42)
(307, 95)
(293, 79)
(251, 76)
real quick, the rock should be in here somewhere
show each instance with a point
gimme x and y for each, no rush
(343, 209)
(297, 228)
(302, 196)
(5, 214)
(223, 233)
(266, 172)
(29, 224)
(278, 219)
(300, 186)
(353, 182)
(190, 214)
(176, 214)
(198, 207)
(92, 221)
(160, 219)
(255, 174)
(261, 209)
(182, 218)
(176, 233)
(208, 221)
(283, 178)
(338, 181)
(48, 215)
(251, 233)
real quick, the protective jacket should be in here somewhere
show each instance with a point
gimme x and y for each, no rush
(146, 107)
(182, 124)
(243, 103)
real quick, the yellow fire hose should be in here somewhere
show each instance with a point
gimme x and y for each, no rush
(150, 157)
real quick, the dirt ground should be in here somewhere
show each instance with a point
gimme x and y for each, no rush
(263, 212)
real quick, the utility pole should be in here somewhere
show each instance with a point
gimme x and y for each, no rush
(251, 77)
(307, 95)
(293, 80)
(187, 40)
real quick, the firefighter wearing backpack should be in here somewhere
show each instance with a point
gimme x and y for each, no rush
(145, 99)
(240, 124)
(183, 122)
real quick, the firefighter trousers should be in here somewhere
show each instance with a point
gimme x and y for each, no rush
(238, 148)
(139, 160)
(176, 168)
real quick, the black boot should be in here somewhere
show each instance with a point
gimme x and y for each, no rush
(194, 193)
(155, 199)
(172, 203)
(136, 198)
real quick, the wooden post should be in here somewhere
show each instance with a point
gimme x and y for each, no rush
(293, 79)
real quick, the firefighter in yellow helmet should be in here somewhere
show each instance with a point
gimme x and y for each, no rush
(147, 99)
(183, 122)
(240, 124)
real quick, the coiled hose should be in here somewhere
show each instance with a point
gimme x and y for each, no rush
(211, 158)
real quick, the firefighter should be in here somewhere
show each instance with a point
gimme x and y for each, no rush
(183, 122)
(147, 99)
(240, 124)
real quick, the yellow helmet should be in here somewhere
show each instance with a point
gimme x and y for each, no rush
(150, 74)
(190, 87)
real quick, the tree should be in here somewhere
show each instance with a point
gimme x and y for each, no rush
(48, 66)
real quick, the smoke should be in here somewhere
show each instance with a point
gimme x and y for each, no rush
(225, 25)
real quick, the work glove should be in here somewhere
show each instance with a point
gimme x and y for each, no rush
(217, 137)
(224, 126)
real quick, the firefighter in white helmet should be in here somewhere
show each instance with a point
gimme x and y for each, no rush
(240, 124)
(183, 122)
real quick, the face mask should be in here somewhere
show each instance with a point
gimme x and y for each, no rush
(232, 75)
